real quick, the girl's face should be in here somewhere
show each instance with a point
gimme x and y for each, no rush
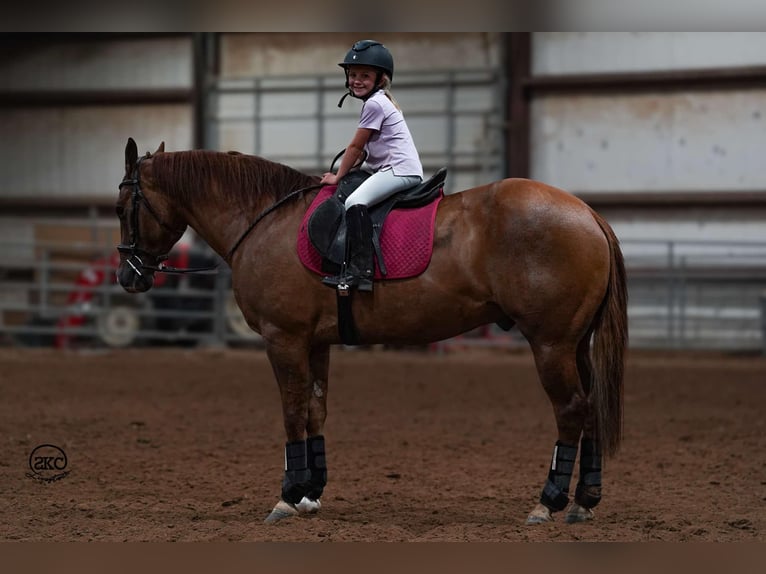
(361, 79)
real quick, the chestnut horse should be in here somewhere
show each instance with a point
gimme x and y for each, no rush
(514, 252)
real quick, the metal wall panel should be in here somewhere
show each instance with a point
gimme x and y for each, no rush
(592, 52)
(282, 54)
(99, 65)
(703, 141)
(727, 227)
(78, 151)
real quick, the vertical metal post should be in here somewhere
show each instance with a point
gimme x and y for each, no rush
(681, 294)
(518, 69)
(44, 280)
(671, 293)
(257, 131)
(320, 161)
(763, 322)
(211, 99)
(451, 128)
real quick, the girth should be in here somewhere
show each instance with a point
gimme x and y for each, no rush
(327, 225)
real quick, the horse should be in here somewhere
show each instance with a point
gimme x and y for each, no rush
(513, 252)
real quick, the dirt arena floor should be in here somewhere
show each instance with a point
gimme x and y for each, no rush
(187, 445)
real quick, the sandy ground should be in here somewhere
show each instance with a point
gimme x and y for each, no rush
(171, 444)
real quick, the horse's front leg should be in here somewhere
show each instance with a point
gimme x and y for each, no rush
(319, 367)
(302, 377)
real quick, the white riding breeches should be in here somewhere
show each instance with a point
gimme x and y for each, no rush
(379, 186)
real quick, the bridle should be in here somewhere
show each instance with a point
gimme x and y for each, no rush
(134, 252)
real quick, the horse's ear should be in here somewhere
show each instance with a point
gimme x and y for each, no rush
(131, 154)
(161, 148)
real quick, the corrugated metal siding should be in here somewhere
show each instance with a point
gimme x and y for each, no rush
(76, 152)
(591, 52)
(706, 141)
(281, 54)
(100, 65)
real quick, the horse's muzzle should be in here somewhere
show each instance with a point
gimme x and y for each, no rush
(133, 277)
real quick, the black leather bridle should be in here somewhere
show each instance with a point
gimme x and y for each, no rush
(134, 252)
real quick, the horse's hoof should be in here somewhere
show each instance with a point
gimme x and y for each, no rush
(281, 510)
(308, 506)
(577, 513)
(539, 515)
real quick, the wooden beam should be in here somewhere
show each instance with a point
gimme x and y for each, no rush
(632, 82)
(518, 65)
(65, 98)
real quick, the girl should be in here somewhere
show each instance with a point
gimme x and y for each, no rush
(392, 157)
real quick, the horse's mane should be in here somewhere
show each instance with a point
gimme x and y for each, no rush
(245, 179)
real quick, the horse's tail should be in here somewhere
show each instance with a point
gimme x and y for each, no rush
(610, 341)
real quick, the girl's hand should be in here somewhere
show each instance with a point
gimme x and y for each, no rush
(329, 179)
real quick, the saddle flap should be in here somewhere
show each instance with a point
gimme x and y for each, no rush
(326, 228)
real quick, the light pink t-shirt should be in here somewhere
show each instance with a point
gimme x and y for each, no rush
(391, 143)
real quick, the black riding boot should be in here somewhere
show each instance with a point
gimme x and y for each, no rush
(359, 256)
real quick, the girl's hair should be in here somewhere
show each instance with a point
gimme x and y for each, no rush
(385, 85)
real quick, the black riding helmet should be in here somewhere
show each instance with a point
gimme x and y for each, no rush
(368, 53)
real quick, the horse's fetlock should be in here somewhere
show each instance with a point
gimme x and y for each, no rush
(295, 485)
(587, 496)
(297, 479)
(317, 464)
(553, 497)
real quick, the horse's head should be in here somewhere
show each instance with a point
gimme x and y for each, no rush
(149, 225)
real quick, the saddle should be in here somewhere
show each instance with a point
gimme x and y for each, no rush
(327, 225)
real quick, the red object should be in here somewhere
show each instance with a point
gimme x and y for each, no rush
(102, 272)
(406, 240)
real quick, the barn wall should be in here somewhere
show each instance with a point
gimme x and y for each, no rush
(74, 150)
(706, 141)
(591, 52)
(281, 54)
(698, 141)
(277, 97)
(99, 64)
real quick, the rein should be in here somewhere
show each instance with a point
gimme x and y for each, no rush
(135, 252)
(268, 210)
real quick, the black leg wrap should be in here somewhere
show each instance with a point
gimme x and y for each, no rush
(296, 482)
(317, 465)
(556, 490)
(588, 492)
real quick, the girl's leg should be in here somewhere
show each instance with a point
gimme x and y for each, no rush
(379, 186)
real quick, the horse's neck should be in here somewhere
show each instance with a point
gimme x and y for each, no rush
(219, 228)
(226, 226)
(224, 215)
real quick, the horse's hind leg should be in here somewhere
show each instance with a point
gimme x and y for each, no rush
(558, 370)
(588, 491)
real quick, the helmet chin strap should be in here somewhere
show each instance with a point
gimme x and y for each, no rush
(343, 98)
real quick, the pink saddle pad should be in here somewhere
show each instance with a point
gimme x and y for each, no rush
(406, 240)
